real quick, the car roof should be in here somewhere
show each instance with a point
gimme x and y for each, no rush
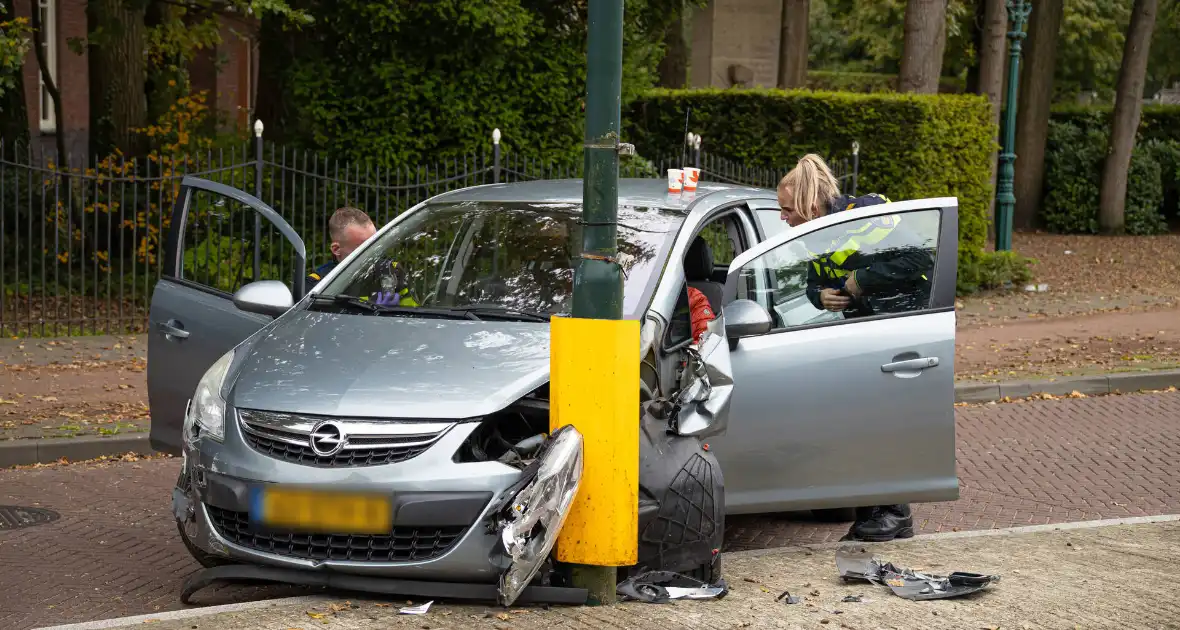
(635, 192)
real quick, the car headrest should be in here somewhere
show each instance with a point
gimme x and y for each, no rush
(698, 262)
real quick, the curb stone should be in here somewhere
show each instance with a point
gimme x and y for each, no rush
(1089, 385)
(49, 450)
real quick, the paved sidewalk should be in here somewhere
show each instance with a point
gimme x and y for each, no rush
(1103, 577)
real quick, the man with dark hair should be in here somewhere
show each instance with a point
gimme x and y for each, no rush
(348, 228)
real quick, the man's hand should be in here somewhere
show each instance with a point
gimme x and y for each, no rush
(833, 300)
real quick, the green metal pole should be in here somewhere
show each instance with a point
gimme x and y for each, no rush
(598, 281)
(1018, 11)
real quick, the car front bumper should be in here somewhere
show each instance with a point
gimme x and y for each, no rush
(442, 512)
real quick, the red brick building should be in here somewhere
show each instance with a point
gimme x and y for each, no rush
(227, 73)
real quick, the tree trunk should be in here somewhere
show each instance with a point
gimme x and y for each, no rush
(1125, 122)
(792, 46)
(925, 42)
(50, 86)
(1034, 97)
(993, 46)
(14, 114)
(673, 68)
(118, 75)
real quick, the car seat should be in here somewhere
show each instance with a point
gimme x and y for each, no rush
(698, 271)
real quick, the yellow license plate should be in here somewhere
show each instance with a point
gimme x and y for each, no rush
(324, 512)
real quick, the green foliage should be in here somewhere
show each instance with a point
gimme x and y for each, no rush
(14, 46)
(871, 82)
(912, 146)
(1090, 47)
(1074, 161)
(857, 36)
(995, 270)
(398, 83)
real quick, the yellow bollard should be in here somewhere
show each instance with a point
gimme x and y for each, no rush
(594, 385)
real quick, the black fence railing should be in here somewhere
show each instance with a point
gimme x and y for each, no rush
(81, 249)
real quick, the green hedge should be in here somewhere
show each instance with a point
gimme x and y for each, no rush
(871, 82)
(912, 146)
(1074, 157)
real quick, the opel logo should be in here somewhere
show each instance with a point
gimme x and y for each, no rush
(327, 438)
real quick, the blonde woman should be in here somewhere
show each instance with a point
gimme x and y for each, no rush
(870, 267)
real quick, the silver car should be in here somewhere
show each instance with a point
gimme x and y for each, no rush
(324, 432)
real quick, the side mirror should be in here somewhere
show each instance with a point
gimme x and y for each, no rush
(745, 318)
(265, 297)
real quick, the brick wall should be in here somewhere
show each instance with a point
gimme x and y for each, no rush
(72, 80)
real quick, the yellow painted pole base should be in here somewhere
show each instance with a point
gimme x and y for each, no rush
(594, 372)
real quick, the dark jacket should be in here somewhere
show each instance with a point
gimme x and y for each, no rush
(318, 274)
(894, 275)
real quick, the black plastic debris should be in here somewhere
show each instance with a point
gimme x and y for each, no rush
(852, 599)
(787, 597)
(856, 563)
(661, 587)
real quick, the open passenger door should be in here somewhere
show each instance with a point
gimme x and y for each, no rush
(214, 250)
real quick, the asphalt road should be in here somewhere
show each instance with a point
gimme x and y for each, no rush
(114, 550)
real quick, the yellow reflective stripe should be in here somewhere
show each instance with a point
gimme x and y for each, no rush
(314, 276)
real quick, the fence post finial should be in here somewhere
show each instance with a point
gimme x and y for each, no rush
(258, 128)
(496, 136)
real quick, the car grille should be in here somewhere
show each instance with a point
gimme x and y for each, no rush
(368, 443)
(404, 544)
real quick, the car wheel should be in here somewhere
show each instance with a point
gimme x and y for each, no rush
(835, 515)
(204, 559)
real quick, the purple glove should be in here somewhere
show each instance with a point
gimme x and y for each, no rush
(388, 298)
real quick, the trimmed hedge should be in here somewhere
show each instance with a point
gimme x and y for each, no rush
(871, 82)
(1074, 157)
(912, 146)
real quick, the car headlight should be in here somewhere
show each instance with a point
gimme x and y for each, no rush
(537, 513)
(206, 410)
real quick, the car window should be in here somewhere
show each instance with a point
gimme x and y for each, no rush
(771, 222)
(892, 258)
(513, 255)
(218, 242)
(717, 235)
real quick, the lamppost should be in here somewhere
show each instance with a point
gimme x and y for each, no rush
(1018, 11)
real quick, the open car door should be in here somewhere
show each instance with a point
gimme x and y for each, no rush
(211, 252)
(837, 409)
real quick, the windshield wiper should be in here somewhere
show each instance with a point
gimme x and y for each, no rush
(352, 300)
(496, 310)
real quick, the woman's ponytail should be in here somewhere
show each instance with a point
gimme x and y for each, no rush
(812, 186)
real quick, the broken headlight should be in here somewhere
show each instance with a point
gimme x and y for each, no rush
(534, 517)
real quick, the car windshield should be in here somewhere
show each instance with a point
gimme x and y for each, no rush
(485, 255)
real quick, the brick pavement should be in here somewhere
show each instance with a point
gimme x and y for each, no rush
(115, 551)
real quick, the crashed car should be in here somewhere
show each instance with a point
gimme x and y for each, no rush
(324, 430)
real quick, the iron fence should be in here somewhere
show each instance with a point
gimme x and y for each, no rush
(81, 249)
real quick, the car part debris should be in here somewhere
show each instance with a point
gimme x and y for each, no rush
(787, 597)
(529, 523)
(853, 599)
(659, 587)
(416, 610)
(856, 563)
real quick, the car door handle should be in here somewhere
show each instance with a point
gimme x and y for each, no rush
(171, 329)
(910, 364)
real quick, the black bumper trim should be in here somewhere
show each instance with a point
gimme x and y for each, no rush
(384, 586)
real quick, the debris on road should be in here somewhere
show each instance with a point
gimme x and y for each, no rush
(659, 587)
(788, 598)
(856, 563)
(416, 610)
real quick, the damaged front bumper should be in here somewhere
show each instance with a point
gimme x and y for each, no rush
(491, 540)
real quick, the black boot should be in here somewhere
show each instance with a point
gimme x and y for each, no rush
(887, 523)
(863, 515)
